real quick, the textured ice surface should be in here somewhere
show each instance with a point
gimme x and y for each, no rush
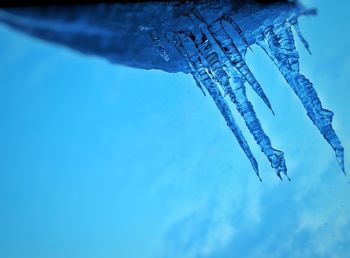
(208, 39)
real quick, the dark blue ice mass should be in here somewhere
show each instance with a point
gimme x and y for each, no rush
(208, 39)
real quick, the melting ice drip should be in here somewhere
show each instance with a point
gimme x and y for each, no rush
(218, 66)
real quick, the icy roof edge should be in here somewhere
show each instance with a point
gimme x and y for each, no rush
(107, 32)
(25, 3)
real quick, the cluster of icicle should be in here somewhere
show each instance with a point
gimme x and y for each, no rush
(224, 73)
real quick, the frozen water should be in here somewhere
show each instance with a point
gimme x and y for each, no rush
(208, 39)
(205, 78)
(280, 48)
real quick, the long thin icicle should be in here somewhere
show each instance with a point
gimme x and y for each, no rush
(216, 66)
(295, 23)
(173, 39)
(246, 110)
(202, 75)
(230, 50)
(237, 94)
(237, 28)
(280, 48)
(224, 41)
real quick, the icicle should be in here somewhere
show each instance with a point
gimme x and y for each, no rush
(285, 50)
(246, 110)
(230, 50)
(322, 118)
(237, 28)
(173, 39)
(238, 96)
(206, 49)
(159, 46)
(202, 75)
(295, 23)
(281, 39)
(224, 41)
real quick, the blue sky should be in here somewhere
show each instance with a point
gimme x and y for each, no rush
(100, 160)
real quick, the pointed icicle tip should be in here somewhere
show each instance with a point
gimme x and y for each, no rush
(340, 159)
(256, 168)
(288, 178)
(230, 50)
(279, 176)
(268, 104)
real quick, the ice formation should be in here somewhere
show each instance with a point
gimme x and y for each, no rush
(209, 39)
